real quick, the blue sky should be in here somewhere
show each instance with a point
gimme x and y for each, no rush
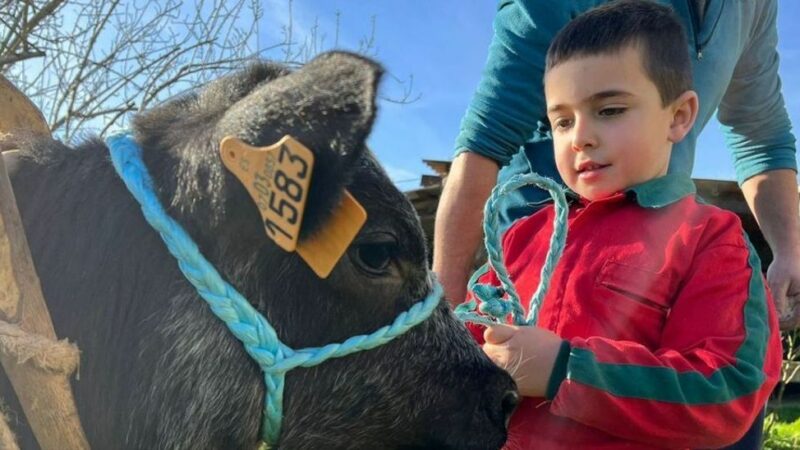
(443, 44)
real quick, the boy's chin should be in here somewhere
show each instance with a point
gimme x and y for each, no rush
(594, 194)
(593, 198)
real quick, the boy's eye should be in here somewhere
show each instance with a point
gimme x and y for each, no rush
(615, 111)
(563, 123)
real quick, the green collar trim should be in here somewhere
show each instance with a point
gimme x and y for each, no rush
(656, 193)
(662, 191)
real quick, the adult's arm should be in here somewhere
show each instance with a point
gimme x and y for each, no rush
(773, 197)
(758, 132)
(458, 229)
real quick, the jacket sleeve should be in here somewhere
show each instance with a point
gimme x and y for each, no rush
(752, 112)
(717, 363)
(509, 100)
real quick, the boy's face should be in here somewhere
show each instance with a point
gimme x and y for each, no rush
(610, 131)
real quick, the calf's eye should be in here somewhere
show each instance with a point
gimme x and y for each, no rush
(375, 257)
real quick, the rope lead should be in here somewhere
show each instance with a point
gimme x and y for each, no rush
(499, 302)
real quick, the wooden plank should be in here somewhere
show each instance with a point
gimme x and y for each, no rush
(7, 439)
(45, 395)
(17, 111)
(37, 365)
(442, 168)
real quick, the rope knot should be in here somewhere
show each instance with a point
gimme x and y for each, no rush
(487, 293)
(496, 308)
(492, 303)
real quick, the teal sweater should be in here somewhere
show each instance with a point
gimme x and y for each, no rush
(735, 68)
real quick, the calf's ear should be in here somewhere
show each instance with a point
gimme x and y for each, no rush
(329, 106)
(188, 115)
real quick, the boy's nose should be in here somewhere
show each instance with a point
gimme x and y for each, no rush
(582, 136)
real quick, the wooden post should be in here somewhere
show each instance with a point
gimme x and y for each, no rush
(37, 364)
(17, 112)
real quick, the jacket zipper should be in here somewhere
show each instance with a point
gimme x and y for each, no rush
(699, 46)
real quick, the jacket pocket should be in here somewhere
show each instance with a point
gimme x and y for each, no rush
(647, 287)
(630, 303)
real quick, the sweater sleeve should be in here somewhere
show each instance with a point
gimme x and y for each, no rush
(718, 361)
(509, 100)
(752, 112)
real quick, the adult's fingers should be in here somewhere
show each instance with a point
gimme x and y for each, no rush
(791, 320)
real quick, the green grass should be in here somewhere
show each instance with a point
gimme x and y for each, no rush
(782, 428)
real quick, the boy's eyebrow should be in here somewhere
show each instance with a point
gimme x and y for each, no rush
(610, 93)
(595, 97)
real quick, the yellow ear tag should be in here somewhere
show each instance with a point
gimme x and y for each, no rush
(324, 248)
(278, 177)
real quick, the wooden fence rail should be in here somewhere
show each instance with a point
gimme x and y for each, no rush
(37, 364)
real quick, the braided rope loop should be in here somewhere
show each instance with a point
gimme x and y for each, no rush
(494, 309)
(259, 338)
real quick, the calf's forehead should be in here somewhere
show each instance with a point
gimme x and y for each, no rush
(386, 206)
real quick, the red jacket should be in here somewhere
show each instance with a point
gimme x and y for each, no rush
(673, 339)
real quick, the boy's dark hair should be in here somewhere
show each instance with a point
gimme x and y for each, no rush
(654, 28)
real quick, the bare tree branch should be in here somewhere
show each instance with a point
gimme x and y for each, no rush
(20, 32)
(17, 57)
(87, 63)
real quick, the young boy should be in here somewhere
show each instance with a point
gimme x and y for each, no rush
(657, 329)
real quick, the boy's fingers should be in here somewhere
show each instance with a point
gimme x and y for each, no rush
(497, 334)
(498, 355)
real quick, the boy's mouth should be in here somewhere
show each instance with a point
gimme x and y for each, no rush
(587, 167)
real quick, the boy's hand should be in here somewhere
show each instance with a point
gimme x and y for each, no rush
(527, 353)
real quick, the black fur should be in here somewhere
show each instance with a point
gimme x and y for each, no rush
(158, 370)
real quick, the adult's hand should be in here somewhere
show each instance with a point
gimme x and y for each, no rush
(458, 229)
(773, 198)
(783, 277)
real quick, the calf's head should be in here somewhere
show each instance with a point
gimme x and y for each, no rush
(432, 387)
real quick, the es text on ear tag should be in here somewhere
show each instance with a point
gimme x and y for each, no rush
(277, 177)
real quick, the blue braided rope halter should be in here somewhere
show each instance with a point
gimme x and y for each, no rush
(493, 308)
(251, 328)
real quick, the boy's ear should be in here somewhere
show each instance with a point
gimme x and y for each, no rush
(684, 113)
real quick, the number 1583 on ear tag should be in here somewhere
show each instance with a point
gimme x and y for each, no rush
(277, 177)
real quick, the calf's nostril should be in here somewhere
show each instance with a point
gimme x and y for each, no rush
(509, 404)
